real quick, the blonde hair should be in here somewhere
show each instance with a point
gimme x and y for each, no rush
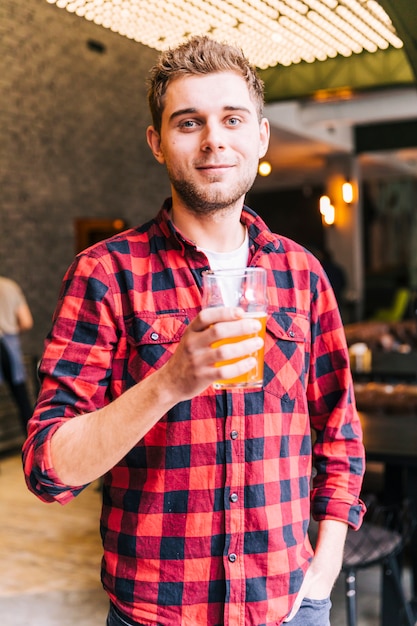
(198, 56)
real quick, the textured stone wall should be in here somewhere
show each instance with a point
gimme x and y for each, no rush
(72, 143)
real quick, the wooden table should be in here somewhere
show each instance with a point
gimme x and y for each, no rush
(391, 439)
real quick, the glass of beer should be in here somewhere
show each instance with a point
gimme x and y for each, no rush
(244, 288)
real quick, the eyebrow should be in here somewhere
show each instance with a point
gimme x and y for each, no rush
(193, 110)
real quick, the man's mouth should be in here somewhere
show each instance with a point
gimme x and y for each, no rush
(214, 166)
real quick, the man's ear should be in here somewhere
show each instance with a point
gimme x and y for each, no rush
(264, 137)
(154, 142)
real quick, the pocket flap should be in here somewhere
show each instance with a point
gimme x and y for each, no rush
(289, 326)
(151, 328)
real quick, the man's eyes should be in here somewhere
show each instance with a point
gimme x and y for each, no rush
(186, 124)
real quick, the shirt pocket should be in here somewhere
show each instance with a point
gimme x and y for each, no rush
(152, 339)
(286, 354)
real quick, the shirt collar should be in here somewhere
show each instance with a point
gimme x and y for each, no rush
(260, 235)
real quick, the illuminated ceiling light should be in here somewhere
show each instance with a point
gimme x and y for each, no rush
(270, 32)
(265, 168)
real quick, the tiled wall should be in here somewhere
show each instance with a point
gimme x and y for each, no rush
(72, 143)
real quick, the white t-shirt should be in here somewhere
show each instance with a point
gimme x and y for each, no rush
(236, 259)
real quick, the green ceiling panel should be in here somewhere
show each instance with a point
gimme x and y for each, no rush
(403, 14)
(386, 68)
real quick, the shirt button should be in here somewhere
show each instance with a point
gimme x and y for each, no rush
(232, 557)
(234, 434)
(154, 336)
(234, 497)
(291, 333)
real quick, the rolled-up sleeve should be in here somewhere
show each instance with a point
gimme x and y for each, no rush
(338, 452)
(75, 370)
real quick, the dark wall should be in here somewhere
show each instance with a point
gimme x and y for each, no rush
(72, 136)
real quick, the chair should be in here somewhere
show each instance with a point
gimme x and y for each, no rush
(380, 541)
(398, 308)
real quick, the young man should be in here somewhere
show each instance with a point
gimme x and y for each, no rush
(206, 500)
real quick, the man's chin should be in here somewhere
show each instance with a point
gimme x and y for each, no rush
(209, 207)
(209, 199)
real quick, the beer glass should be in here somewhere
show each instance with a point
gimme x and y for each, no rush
(244, 288)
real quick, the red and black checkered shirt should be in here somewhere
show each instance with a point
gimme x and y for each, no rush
(205, 521)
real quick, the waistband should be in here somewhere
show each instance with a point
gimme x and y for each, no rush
(122, 619)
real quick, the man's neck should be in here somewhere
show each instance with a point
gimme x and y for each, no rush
(221, 231)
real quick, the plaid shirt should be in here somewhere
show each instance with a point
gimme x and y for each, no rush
(205, 520)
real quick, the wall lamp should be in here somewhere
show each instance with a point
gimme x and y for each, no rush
(327, 211)
(347, 192)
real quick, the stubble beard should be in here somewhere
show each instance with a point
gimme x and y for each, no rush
(206, 200)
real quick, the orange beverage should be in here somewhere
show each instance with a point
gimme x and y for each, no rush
(253, 378)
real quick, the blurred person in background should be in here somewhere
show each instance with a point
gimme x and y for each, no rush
(336, 274)
(15, 318)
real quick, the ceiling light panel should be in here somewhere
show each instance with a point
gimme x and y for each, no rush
(270, 32)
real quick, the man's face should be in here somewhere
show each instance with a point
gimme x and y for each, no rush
(211, 141)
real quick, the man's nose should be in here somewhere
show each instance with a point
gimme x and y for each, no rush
(213, 137)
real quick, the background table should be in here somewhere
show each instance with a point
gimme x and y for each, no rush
(391, 439)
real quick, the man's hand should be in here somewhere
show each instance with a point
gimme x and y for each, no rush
(193, 366)
(325, 566)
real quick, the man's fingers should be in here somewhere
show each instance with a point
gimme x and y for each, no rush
(218, 320)
(213, 315)
(234, 370)
(236, 349)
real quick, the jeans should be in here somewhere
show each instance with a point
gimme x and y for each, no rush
(12, 371)
(310, 613)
